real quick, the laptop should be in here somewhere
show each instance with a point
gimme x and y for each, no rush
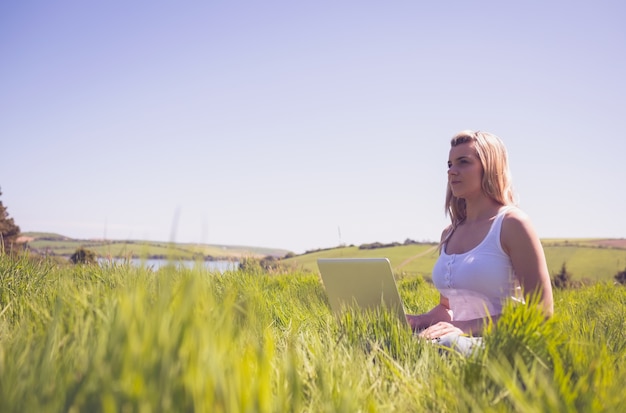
(366, 283)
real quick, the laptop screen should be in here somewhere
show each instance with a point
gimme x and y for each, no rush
(367, 283)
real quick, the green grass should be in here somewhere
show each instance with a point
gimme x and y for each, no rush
(118, 338)
(586, 263)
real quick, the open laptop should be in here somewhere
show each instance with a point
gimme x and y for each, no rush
(367, 283)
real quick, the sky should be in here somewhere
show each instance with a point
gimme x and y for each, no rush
(304, 125)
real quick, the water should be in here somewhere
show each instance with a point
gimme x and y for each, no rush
(156, 263)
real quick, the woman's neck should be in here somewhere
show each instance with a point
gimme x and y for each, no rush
(480, 209)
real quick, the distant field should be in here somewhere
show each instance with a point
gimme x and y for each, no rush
(63, 246)
(619, 243)
(424, 256)
(585, 259)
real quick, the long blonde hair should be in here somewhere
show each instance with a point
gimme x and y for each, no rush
(496, 180)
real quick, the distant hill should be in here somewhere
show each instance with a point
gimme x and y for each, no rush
(60, 245)
(585, 259)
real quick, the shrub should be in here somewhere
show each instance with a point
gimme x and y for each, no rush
(83, 256)
(620, 277)
(268, 264)
(563, 279)
(9, 232)
(376, 245)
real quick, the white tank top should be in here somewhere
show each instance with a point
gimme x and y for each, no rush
(477, 283)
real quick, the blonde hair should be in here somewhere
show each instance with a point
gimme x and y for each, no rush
(496, 180)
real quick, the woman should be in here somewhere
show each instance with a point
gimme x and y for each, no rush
(489, 254)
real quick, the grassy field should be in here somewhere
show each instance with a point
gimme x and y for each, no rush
(414, 259)
(119, 338)
(63, 246)
(588, 260)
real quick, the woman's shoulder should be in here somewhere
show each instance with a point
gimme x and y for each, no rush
(445, 234)
(514, 216)
(516, 226)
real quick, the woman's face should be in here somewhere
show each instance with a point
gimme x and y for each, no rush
(465, 171)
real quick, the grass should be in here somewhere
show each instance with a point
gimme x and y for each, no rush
(118, 338)
(586, 263)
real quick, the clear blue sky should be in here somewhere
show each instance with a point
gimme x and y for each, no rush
(298, 125)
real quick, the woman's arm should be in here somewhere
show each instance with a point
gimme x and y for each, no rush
(441, 312)
(471, 327)
(521, 243)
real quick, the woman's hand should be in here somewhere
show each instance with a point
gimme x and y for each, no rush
(440, 313)
(415, 321)
(440, 329)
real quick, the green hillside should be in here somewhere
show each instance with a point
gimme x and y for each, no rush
(586, 263)
(59, 245)
(411, 259)
(585, 259)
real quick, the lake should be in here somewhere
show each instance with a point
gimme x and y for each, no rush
(156, 263)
